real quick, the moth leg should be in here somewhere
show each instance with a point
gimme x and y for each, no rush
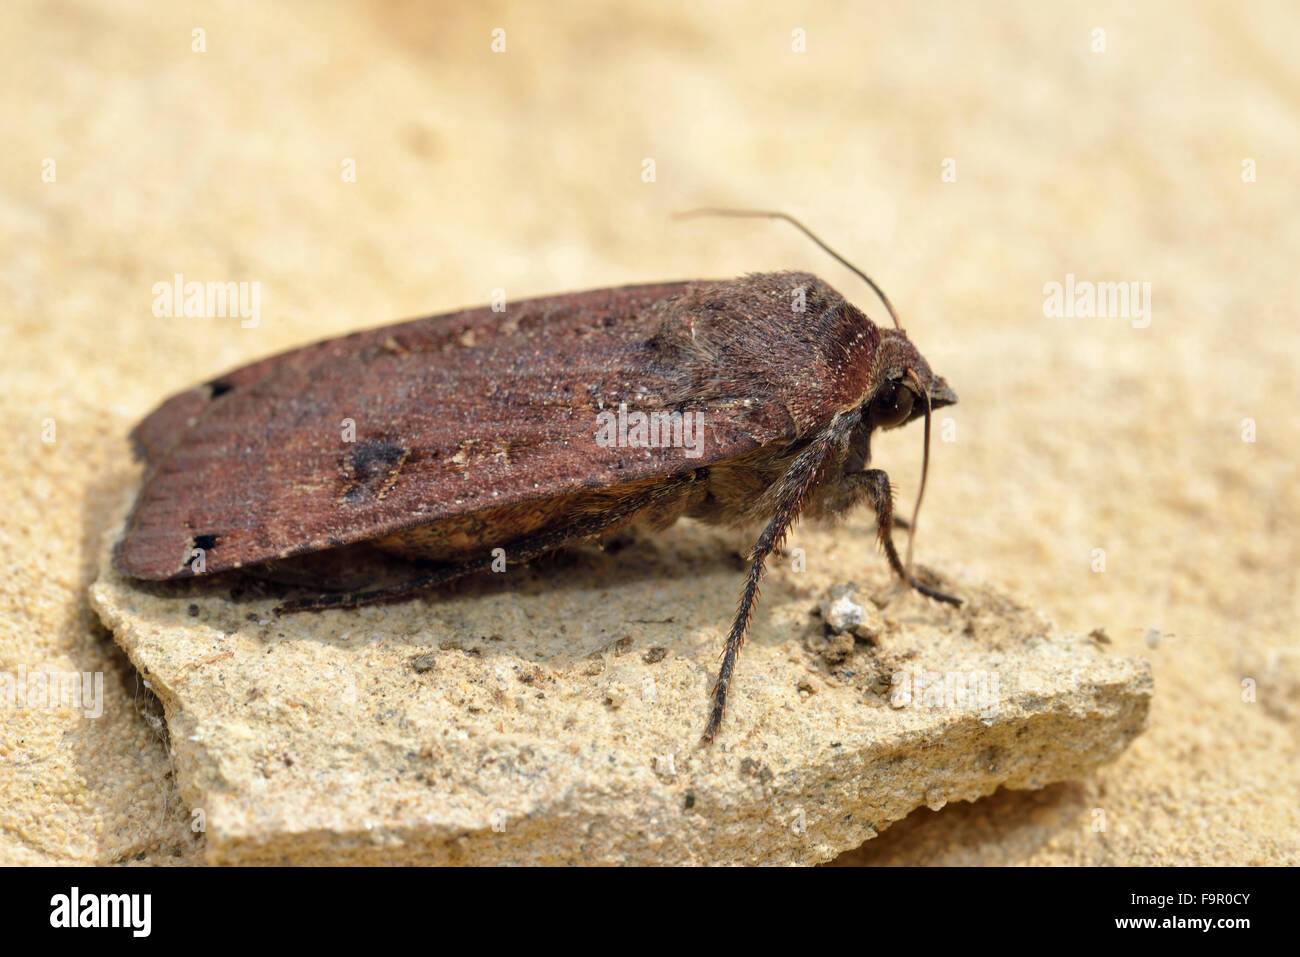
(790, 492)
(522, 550)
(875, 483)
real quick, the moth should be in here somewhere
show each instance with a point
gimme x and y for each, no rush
(480, 431)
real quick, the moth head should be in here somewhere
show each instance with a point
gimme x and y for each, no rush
(904, 380)
(907, 389)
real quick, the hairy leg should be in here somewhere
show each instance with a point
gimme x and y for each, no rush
(794, 485)
(875, 484)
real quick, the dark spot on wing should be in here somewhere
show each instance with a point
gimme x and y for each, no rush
(200, 544)
(375, 458)
(219, 387)
(370, 470)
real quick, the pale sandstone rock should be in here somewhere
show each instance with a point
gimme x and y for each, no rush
(552, 715)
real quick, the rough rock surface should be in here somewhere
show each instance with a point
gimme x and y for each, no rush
(514, 720)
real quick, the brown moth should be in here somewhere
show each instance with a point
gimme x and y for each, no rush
(477, 431)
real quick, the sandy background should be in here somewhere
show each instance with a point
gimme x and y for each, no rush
(523, 170)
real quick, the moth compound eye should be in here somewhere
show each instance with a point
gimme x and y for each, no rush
(891, 406)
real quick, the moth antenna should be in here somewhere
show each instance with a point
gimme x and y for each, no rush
(925, 468)
(770, 214)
